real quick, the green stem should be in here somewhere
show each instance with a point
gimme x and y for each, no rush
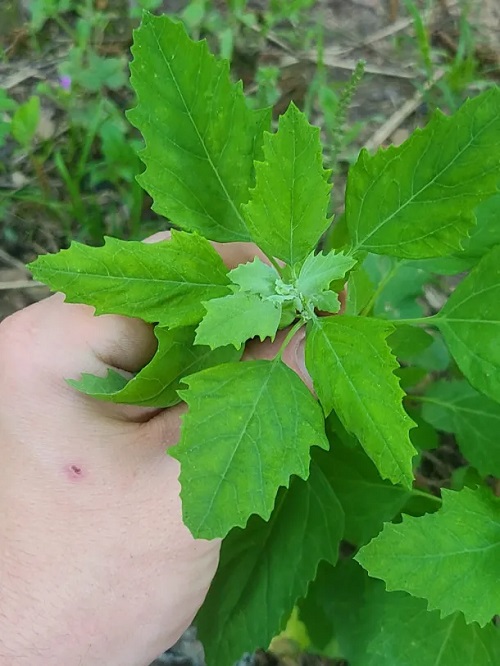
(89, 140)
(275, 264)
(421, 493)
(381, 286)
(441, 403)
(423, 398)
(73, 188)
(425, 321)
(289, 336)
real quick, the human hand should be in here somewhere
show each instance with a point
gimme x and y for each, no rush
(96, 566)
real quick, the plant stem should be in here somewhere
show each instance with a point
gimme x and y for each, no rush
(87, 146)
(426, 321)
(381, 286)
(421, 493)
(275, 265)
(73, 188)
(289, 336)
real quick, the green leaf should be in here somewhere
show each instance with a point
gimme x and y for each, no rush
(399, 285)
(41, 10)
(467, 476)
(367, 500)
(445, 265)
(451, 558)
(417, 200)
(360, 290)
(486, 234)
(6, 102)
(374, 627)
(157, 383)
(408, 377)
(327, 301)
(234, 319)
(93, 72)
(253, 594)
(262, 123)
(475, 419)
(287, 211)
(334, 607)
(255, 277)
(25, 121)
(470, 324)
(352, 367)
(198, 131)
(424, 437)
(162, 282)
(435, 357)
(249, 427)
(409, 635)
(319, 270)
(408, 341)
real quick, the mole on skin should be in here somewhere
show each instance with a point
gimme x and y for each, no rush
(74, 472)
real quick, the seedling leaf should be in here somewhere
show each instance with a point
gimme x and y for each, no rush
(234, 319)
(327, 301)
(255, 277)
(319, 270)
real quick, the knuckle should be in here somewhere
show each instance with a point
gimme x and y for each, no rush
(16, 334)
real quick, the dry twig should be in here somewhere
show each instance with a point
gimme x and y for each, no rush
(19, 284)
(401, 114)
(12, 261)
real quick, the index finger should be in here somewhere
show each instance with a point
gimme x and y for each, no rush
(232, 254)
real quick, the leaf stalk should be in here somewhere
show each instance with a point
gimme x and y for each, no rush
(296, 327)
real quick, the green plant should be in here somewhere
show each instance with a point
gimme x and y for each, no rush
(283, 475)
(43, 10)
(7, 106)
(97, 152)
(422, 35)
(448, 79)
(25, 121)
(464, 70)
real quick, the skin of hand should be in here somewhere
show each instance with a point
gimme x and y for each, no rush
(96, 566)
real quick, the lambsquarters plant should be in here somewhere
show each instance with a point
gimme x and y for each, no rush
(258, 467)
